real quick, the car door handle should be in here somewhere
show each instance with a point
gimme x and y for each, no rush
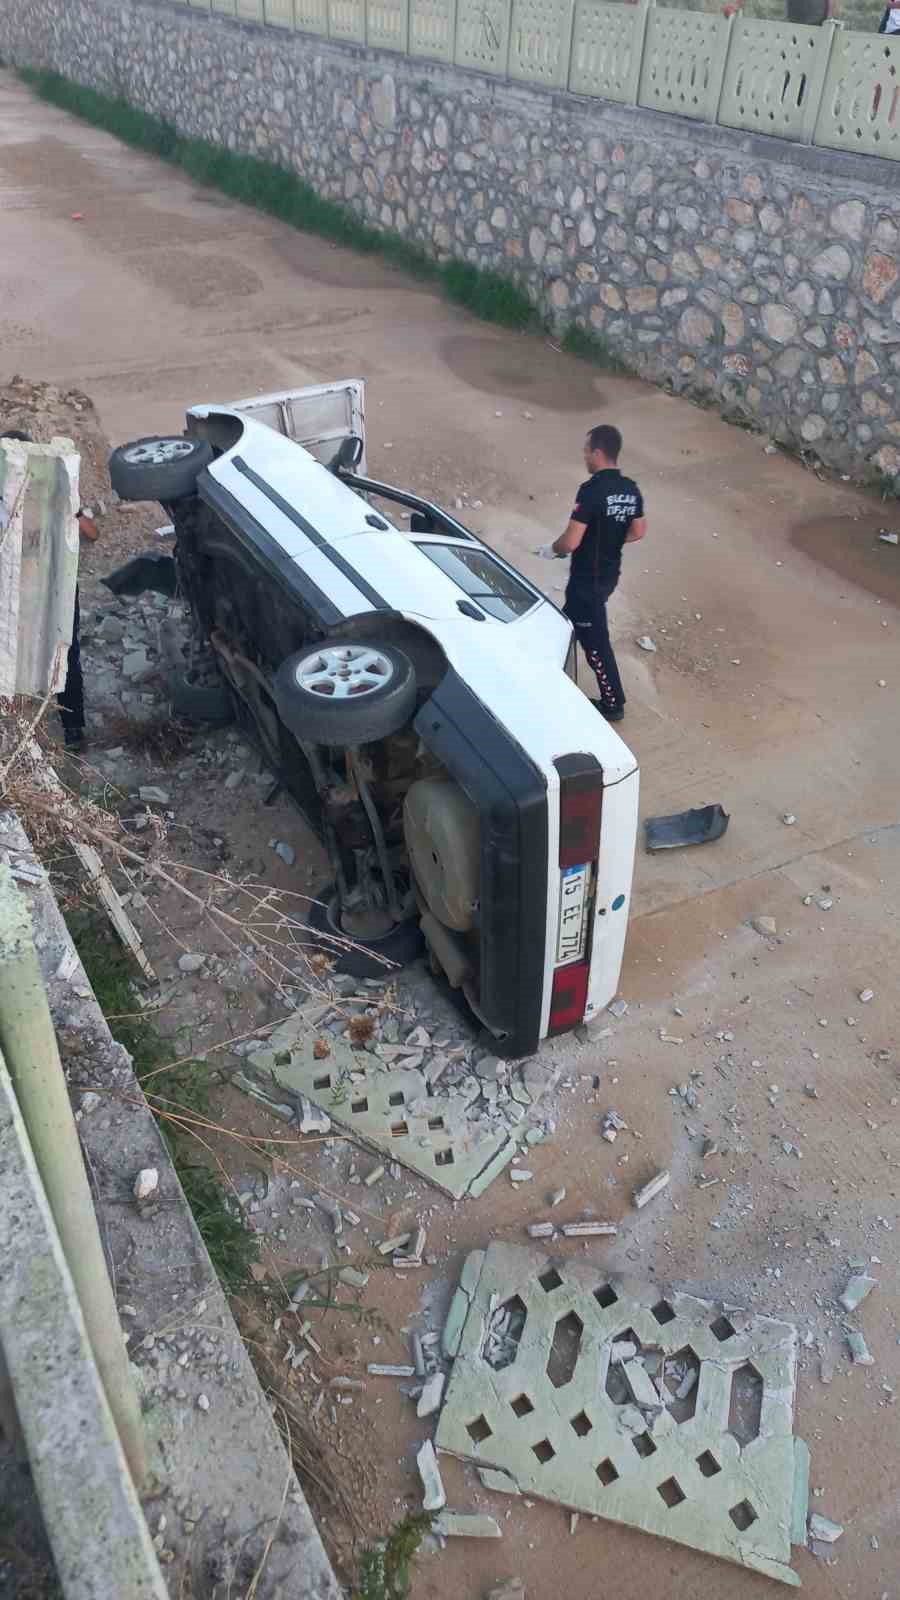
(468, 610)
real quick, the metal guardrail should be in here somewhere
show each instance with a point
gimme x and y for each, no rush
(818, 85)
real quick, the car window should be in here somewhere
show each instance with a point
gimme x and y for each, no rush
(483, 579)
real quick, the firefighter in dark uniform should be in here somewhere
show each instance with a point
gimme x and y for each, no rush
(608, 514)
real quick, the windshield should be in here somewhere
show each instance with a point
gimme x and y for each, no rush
(483, 579)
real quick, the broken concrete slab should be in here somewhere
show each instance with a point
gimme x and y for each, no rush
(452, 1135)
(546, 1404)
(856, 1291)
(432, 1394)
(466, 1525)
(434, 1497)
(823, 1529)
(642, 1197)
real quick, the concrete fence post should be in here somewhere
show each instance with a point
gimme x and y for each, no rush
(28, 1043)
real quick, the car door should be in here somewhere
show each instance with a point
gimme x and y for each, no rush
(318, 416)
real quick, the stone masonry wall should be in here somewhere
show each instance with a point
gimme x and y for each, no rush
(762, 276)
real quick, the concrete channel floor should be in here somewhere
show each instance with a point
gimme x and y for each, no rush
(774, 608)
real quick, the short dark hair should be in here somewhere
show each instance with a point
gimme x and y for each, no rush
(607, 439)
(17, 433)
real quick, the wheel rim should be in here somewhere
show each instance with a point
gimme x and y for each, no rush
(344, 672)
(158, 452)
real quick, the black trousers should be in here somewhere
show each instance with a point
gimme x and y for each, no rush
(585, 608)
(71, 701)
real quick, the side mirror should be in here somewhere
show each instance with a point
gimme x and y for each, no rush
(421, 522)
(348, 454)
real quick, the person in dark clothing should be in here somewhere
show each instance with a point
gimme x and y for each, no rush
(608, 514)
(71, 699)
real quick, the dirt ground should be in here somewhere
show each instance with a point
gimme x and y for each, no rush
(774, 690)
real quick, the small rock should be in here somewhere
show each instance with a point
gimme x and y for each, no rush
(557, 1197)
(191, 962)
(646, 643)
(889, 538)
(823, 1529)
(202, 1402)
(512, 1589)
(235, 779)
(89, 1102)
(520, 1175)
(865, 995)
(285, 852)
(765, 926)
(151, 795)
(788, 819)
(135, 663)
(860, 1354)
(145, 1184)
(111, 630)
(856, 1291)
(617, 1008)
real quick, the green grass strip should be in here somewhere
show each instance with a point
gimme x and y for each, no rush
(183, 1090)
(269, 188)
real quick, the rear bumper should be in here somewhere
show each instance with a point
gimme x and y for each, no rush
(510, 792)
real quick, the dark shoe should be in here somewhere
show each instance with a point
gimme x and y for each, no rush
(609, 713)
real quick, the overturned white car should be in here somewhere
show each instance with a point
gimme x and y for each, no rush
(415, 695)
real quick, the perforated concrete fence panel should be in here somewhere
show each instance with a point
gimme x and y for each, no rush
(482, 35)
(249, 10)
(860, 105)
(456, 1134)
(615, 1398)
(774, 77)
(225, 8)
(684, 61)
(347, 20)
(432, 29)
(387, 24)
(607, 41)
(279, 13)
(311, 16)
(539, 41)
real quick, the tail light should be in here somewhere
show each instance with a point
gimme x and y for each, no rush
(580, 814)
(580, 809)
(569, 997)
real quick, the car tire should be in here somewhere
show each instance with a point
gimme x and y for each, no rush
(402, 945)
(345, 692)
(162, 469)
(200, 702)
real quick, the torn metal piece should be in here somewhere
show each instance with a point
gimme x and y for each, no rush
(689, 1435)
(700, 826)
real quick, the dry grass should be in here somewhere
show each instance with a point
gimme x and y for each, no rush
(161, 740)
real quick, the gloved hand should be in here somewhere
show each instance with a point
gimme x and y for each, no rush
(547, 552)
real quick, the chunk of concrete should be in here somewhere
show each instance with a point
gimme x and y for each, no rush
(431, 1396)
(434, 1497)
(467, 1525)
(500, 1482)
(856, 1291)
(642, 1197)
(823, 1529)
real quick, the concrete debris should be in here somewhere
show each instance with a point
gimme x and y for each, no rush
(643, 1390)
(823, 1529)
(466, 1525)
(866, 995)
(202, 1402)
(353, 1278)
(145, 1185)
(617, 1008)
(541, 1230)
(574, 1519)
(579, 1230)
(135, 663)
(646, 643)
(520, 1175)
(374, 1177)
(388, 1246)
(151, 795)
(765, 926)
(190, 962)
(788, 819)
(623, 1350)
(613, 1124)
(377, 1369)
(500, 1482)
(504, 1332)
(512, 1589)
(431, 1396)
(856, 1291)
(434, 1497)
(68, 965)
(887, 537)
(418, 1354)
(557, 1197)
(642, 1197)
(312, 1118)
(346, 1383)
(791, 1149)
(860, 1354)
(285, 852)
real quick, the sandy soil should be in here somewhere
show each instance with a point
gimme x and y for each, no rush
(774, 608)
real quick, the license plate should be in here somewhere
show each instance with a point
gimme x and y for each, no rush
(572, 935)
